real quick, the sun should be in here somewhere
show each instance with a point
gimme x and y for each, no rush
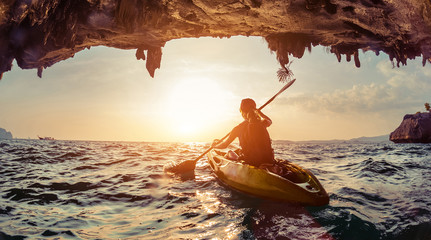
(185, 128)
(194, 105)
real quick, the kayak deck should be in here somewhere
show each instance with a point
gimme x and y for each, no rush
(283, 181)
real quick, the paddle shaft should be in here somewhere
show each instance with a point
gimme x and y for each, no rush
(279, 92)
(264, 105)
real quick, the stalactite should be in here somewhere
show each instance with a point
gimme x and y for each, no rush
(356, 57)
(154, 59)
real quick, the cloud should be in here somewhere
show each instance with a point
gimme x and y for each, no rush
(402, 90)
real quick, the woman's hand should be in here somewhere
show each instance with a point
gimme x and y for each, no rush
(215, 143)
(267, 120)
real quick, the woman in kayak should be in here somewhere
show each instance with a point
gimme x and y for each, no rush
(252, 134)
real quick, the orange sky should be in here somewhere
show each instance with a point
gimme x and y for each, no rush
(106, 94)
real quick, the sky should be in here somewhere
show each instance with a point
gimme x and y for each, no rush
(106, 94)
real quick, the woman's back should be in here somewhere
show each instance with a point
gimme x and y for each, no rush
(255, 143)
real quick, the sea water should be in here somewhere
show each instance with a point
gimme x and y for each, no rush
(118, 190)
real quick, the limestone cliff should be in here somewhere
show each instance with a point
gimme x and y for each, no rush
(415, 128)
(40, 33)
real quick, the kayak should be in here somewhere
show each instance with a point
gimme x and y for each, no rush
(283, 181)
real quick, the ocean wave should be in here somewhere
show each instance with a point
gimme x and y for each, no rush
(29, 195)
(68, 188)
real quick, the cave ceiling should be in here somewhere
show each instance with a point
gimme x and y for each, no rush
(39, 33)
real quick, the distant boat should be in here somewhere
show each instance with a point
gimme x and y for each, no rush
(45, 138)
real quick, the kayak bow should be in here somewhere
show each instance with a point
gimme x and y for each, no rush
(291, 184)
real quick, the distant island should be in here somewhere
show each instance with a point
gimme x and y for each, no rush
(5, 134)
(376, 139)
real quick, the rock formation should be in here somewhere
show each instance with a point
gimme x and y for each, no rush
(415, 128)
(40, 33)
(5, 134)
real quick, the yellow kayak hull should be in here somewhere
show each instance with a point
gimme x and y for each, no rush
(299, 185)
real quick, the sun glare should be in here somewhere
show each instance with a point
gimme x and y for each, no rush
(194, 105)
(186, 128)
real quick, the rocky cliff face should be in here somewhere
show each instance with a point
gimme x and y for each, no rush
(40, 33)
(415, 128)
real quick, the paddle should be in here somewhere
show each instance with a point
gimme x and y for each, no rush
(189, 165)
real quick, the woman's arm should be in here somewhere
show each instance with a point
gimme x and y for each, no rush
(265, 118)
(233, 134)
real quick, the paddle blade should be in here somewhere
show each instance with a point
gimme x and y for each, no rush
(181, 167)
